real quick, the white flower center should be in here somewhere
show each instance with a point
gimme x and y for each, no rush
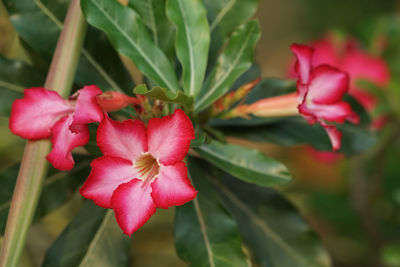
(147, 166)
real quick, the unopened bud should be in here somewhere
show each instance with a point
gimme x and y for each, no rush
(112, 101)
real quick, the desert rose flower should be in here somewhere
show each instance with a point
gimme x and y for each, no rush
(142, 168)
(320, 90)
(43, 114)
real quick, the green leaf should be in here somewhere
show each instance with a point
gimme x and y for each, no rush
(15, 76)
(58, 188)
(192, 41)
(153, 15)
(295, 131)
(131, 38)
(225, 16)
(93, 238)
(234, 61)
(39, 23)
(164, 95)
(247, 164)
(272, 228)
(205, 234)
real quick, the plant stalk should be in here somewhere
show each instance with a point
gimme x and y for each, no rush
(33, 168)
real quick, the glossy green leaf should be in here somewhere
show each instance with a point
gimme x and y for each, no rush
(295, 131)
(39, 23)
(205, 234)
(131, 38)
(92, 238)
(224, 17)
(15, 76)
(58, 188)
(273, 230)
(192, 41)
(164, 95)
(234, 61)
(154, 16)
(247, 164)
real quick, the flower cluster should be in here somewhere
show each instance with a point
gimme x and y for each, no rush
(142, 168)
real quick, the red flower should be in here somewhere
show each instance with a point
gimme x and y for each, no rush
(42, 113)
(142, 169)
(320, 91)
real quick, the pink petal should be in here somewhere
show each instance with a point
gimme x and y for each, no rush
(304, 55)
(133, 205)
(172, 187)
(33, 116)
(360, 65)
(125, 139)
(325, 52)
(87, 110)
(327, 85)
(169, 137)
(338, 112)
(334, 135)
(64, 141)
(106, 175)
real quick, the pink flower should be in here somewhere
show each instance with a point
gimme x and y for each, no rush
(349, 57)
(142, 168)
(320, 91)
(42, 114)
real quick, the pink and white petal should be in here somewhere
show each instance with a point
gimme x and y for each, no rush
(125, 139)
(334, 135)
(33, 116)
(303, 65)
(338, 112)
(169, 137)
(172, 187)
(133, 205)
(360, 65)
(327, 85)
(306, 113)
(64, 141)
(325, 52)
(106, 175)
(87, 110)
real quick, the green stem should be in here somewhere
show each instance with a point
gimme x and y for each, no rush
(33, 167)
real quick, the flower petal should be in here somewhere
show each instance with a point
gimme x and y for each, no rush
(133, 205)
(334, 135)
(327, 85)
(106, 175)
(169, 137)
(304, 55)
(64, 141)
(33, 116)
(125, 139)
(87, 110)
(325, 52)
(172, 187)
(338, 112)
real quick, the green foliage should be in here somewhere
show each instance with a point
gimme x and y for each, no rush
(154, 16)
(92, 238)
(164, 95)
(192, 41)
(39, 23)
(271, 227)
(234, 61)
(58, 188)
(205, 233)
(247, 164)
(131, 38)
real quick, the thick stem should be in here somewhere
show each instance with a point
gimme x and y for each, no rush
(33, 167)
